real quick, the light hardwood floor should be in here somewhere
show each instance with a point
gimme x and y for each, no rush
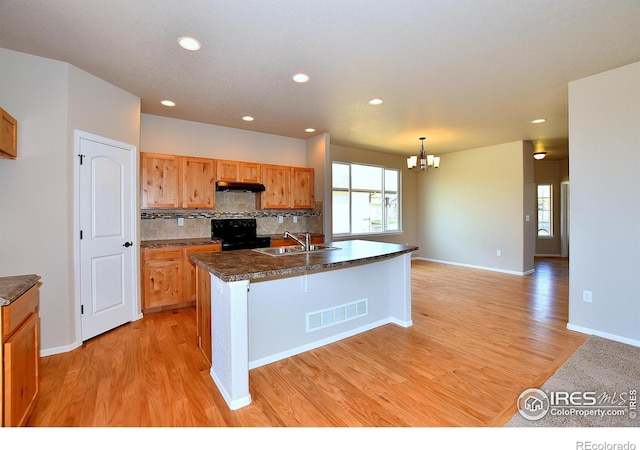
(478, 339)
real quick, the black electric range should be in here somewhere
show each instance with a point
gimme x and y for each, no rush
(238, 234)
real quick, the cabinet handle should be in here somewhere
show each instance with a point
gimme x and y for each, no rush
(127, 244)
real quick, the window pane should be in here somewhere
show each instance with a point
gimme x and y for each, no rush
(391, 205)
(391, 180)
(366, 177)
(340, 174)
(366, 211)
(340, 212)
(545, 211)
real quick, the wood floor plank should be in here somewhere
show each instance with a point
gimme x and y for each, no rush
(478, 340)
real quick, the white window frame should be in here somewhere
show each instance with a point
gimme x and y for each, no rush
(383, 193)
(551, 231)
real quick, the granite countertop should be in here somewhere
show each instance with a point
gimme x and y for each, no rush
(251, 265)
(178, 242)
(13, 287)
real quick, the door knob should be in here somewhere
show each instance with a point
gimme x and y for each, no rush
(127, 244)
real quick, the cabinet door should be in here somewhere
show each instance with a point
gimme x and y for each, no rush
(249, 172)
(189, 292)
(159, 181)
(21, 365)
(302, 188)
(277, 182)
(8, 135)
(198, 177)
(227, 170)
(203, 309)
(162, 277)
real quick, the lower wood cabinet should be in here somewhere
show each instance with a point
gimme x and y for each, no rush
(20, 357)
(169, 276)
(284, 242)
(203, 313)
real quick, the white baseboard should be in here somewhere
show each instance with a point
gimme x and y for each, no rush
(471, 266)
(602, 334)
(62, 349)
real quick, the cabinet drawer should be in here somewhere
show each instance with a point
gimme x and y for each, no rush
(18, 311)
(162, 253)
(204, 248)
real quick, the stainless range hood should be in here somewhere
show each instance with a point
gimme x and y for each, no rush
(239, 186)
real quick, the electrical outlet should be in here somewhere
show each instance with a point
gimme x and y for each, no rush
(180, 221)
(295, 219)
(280, 219)
(587, 296)
(498, 252)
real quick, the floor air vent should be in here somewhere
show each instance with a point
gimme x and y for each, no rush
(338, 314)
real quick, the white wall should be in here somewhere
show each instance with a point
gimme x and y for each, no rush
(181, 137)
(475, 205)
(604, 162)
(49, 99)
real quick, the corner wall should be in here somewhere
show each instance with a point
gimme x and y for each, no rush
(476, 205)
(604, 162)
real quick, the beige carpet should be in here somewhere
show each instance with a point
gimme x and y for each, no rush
(609, 372)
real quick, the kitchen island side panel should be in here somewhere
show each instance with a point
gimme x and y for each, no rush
(278, 309)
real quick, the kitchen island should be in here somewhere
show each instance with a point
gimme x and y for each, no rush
(264, 308)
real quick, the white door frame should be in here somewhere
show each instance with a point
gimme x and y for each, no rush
(136, 313)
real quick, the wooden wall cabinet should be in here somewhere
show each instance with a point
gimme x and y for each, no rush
(8, 135)
(20, 357)
(169, 276)
(286, 187)
(173, 181)
(243, 171)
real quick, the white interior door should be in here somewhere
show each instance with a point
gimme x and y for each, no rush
(107, 230)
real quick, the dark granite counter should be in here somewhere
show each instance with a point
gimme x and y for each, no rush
(178, 242)
(13, 287)
(251, 265)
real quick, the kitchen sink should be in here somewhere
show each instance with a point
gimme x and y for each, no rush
(293, 249)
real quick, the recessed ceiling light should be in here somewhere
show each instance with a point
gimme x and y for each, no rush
(247, 118)
(375, 101)
(309, 130)
(539, 121)
(168, 103)
(301, 78)
(189, 43)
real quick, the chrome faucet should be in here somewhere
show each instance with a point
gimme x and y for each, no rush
(306, 245)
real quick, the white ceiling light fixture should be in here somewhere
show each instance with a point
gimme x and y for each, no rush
(247, 118)
(539, 155)
(423, 162)
(539, 121)
(309, 130)
(301, 78)
(376, 101)
(189, 43)
(168, 103)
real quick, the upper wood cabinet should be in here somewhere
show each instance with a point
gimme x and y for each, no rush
(247, 172)
(8, 135)
(198, 176)
(302, 188)
(277, 183)
(286, 187)
(160, 180)
(172, 181)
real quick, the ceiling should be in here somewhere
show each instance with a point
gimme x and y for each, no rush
(463, 73)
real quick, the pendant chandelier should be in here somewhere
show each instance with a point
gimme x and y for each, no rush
(423, 162)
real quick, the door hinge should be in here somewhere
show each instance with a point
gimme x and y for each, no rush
(80, 234)
(81, 158)
(81, 309)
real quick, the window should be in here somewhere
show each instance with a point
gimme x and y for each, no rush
(545, 210)
(365, 199)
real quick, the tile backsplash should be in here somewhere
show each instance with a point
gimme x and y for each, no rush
(163, 224)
